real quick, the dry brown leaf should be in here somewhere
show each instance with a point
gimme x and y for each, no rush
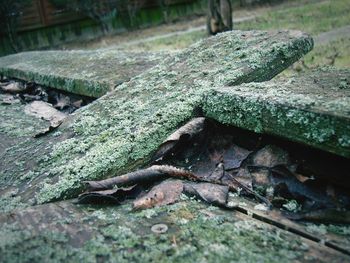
(107, 196)
(62, 102)
(234, 156)
(271, 156)
(13, 87)
(181, 135)
(165, 193)
(9, 100)
(211, 193)
(45, 111)
(218, 173)
(77, 104)
(244, 177)
(301, 178)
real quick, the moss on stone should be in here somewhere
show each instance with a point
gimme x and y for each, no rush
(115, 234)
(310, 108)
(120, 131)
(91, 73)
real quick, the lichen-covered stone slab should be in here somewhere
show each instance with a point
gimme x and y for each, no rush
(120, 131)
(64, 232)
(19, 150)
(312, 108)
(90, 73)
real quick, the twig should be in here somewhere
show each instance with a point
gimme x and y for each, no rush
(157, 172)
(153, 173)
(246, 188)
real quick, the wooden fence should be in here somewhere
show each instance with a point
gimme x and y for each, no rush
(41, 24)
(42, 13)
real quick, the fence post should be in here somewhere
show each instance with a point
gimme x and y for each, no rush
(42, 12)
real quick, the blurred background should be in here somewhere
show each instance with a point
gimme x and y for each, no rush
(169, 25)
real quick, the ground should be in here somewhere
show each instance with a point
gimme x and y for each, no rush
(62, 231)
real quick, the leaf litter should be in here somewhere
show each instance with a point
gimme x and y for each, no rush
(208, 160)
(41, 102)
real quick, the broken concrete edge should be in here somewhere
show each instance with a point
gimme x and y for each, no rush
(91, 73)
(309, 128)
(74, 85)
(120, 131)
(273, 108)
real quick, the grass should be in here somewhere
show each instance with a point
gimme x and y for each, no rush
(313, 17)
(335, 53)
(174, 42)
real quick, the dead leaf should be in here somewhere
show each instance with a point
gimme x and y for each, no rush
(180, 136)
(165, 193)
(45, 111)
(271, 156)
(47, 130)
(63, 102)
(234, 156)
(77, 104)
(9, 100)
(13, 87)
(218, 173)
(301, 178)
(244, 177)
(211, 193)
(260, 177)
(107, 196)
(29, 98)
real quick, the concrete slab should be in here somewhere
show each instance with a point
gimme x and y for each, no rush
(120, 131)
(64, 232)
(90, 73)
(312, 108)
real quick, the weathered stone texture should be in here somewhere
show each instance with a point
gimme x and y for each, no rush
(90, 73)
(120, 131)
(311, 108)
(64, 232)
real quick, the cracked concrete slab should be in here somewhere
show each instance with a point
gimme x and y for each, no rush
(120, 131)
(312, 108)
(90, 73)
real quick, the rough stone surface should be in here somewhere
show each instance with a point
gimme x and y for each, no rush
(120, 131)
(18, 148)
(64, 232)
(313, 108)
(90, 73)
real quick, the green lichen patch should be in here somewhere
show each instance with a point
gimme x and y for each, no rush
(312, 108)
(90, 73)
(18, 147)
(336, 234)
(64, 232)
(120, 131)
